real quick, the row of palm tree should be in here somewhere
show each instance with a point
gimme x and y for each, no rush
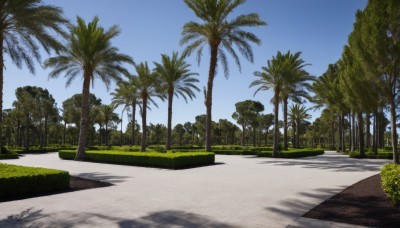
(285, 75)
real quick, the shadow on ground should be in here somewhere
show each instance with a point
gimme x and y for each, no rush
(171, 218)
(295, 208)
(103, 177)
(334, 163)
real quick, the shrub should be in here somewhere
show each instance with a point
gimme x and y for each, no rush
(148, 159)
(390, 180)
(293, 153)
(20, 180)
(9, 156)
(235, 152)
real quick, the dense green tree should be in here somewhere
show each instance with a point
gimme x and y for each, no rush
(221, 36)
(176, 79)
(266, 121)
(180, 131)
(89, 51)
(25, 26)
(247, 113)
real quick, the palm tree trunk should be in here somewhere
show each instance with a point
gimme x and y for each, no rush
(254, 137)
(353, 132)
(333, 132)
(27, 134)
(266, 137)
(83, 129)
(46, 131)
(144, 125)
(285, 124)
(243, 131)
(361, 134)
(1, 89)
(375, 134)
(340, 133)
(393, 128)
(210, 83)
(350, 132)
(367, 130)
(106, 135)
(275, 152)
(65, 131)
(169, 129)
(133, 121)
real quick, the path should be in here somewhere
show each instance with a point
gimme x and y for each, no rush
(241, 192)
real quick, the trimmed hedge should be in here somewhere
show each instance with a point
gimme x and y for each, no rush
(294, 153)
(21, 180)
(235, 152)
(148, 159)
(8, 156)
(390, 180)
(371, 155)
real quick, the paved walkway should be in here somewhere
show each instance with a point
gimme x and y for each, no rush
(239, 192)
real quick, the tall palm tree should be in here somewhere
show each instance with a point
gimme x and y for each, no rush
(273, 76)
(108, 115)
(25, 26)
(126, 94)
(89, 51)
(297, 115)
(147, 87)
(175, 79)
(221, 36)
(295, 88)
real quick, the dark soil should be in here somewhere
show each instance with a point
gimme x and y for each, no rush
(363, 203)
(75, 184)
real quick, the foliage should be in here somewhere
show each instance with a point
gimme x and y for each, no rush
(148, 159)
(293, 153)
(390, 180)
(21, 180)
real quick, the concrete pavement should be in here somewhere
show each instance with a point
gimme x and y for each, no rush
(241, 191)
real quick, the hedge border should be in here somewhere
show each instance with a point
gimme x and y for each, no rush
(146, 159)
(300, 153)
(22, 180)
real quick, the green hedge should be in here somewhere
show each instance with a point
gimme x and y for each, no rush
(20, 180)
(371, 155)
(390, 180)
(235, 152)
(8, 156)
(148, 159)
(293, 153)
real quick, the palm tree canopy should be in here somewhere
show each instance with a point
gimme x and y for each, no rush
(147, 83)
(89, 50)
(125, 94)
(175, 75)
(298, 113)
(216, 30)
(26, 24)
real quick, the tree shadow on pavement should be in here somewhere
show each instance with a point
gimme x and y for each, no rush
(295, 208)
(103, 177)
(334, 163)
(169, 218)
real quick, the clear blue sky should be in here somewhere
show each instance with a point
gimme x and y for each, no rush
(317, 28)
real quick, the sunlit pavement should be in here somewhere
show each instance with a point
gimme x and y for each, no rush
(240, 191)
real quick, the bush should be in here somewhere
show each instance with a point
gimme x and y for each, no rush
(148, 159)
(9, 156)
(293, 153)
(390, 180)
(371, 155)
(235, 152)
(20, 180)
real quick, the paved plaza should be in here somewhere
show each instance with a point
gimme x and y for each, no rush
(239, 191)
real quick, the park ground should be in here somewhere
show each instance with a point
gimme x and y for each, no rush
(239, 191)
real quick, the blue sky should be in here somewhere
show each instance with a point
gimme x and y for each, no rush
(318, 29)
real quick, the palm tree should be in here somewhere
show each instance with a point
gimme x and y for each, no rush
(89, 51)
(176, 79)
(147, 87)
(25, 26)
(297, 115)
(295, 88)
(221, 36)
(108, 115)
(126, 94)
(273, 76)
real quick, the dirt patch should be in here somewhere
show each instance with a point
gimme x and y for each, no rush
(363, 203)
